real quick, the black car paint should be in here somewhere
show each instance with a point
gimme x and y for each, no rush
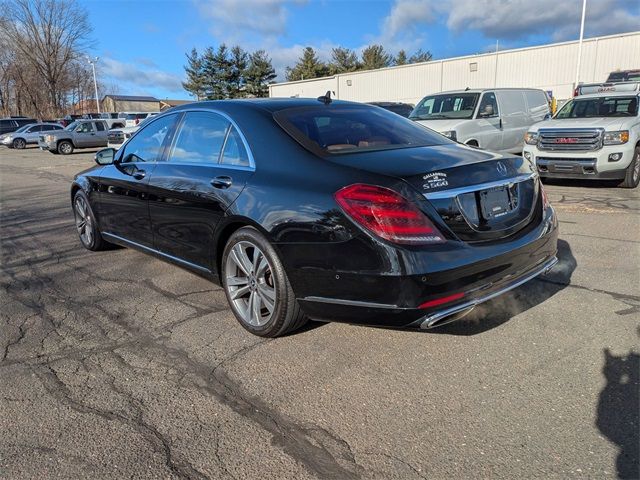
(174, 213)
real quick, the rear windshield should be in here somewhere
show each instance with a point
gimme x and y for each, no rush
(134, 116)
(599, 107)
(336, 129)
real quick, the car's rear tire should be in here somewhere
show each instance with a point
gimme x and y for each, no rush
(257, 287)
(19, 143)
(632, 177)
(65, 147)
(86, 223)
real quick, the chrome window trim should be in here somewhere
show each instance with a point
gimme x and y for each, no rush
(454, 192)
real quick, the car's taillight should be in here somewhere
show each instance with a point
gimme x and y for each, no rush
(387, 214)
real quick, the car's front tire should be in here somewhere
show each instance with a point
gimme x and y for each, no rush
(257, 286)
(19, 143)
(65, 147)
(86, 223)
(632, 177)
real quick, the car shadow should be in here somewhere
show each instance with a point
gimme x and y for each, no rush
(495, 312)
(618, 410)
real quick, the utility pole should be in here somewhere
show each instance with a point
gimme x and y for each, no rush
(95, 82)
(584, 11)
(495, 72)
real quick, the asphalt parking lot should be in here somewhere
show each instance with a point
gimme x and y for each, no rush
(116, 365)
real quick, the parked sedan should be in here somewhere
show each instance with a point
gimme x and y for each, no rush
(317, 209)
(27, 135)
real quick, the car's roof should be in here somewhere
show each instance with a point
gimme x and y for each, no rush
(269, 104)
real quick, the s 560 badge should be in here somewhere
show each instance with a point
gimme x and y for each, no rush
(435, 180)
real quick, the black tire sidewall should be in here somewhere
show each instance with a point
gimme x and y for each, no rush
(276, 324)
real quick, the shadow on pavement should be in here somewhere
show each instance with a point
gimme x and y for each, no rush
(618, 410)
(500, 310)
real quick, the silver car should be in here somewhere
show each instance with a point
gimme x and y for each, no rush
(27, 134)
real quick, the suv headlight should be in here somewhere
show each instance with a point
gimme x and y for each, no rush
(616, 138)
(451, 134)
(531, 138)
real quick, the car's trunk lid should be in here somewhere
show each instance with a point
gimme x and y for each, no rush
(480, 196)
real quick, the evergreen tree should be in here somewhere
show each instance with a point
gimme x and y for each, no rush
(217, 71)
(259, 74)
(237, 66)
(195, 83)
(343, 60)
(375, 56)
(402, 59)
(308, 66)
(420, 56)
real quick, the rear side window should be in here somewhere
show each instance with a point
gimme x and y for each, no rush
(235, 153)
(100, 126)
(334, 129)
(200, 138)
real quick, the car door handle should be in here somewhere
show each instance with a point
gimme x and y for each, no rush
(139, 175)
(222, 182)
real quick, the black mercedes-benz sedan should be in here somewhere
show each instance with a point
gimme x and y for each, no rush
(329, 210)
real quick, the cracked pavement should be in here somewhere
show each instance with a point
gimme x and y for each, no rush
(114, 364)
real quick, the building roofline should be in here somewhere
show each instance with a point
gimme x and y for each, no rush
(463, 57)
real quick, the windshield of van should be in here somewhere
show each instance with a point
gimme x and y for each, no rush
(599, 107)
(449, 105)
(352, 128)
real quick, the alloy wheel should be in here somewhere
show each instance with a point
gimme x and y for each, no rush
(250, 283)
(83, 221)
(65, 148)
(636, 168)
(18, 143)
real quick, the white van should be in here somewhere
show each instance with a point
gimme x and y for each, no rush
(493, 118)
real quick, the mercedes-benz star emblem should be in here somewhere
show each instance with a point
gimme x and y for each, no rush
(502, 169)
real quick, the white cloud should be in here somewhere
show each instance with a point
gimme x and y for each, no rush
(510, 20)
(138, 77)
(266, 17)
(522, 18)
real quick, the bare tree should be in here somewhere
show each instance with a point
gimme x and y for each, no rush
(46, 40)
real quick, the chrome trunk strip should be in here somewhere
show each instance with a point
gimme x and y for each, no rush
(454, 192)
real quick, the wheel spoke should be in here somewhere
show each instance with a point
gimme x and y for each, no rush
(257, 307)
(266, 298)
(262, 266)
(237, 281)
(239, 292)
(240, 259)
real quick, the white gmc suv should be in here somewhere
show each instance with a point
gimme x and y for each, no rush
(593, 136)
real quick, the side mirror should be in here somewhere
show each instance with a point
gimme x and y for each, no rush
(105, 156)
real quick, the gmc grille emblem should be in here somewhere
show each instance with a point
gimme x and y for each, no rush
(566, 140)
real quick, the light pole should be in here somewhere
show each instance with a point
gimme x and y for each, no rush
(584, 11)
(95, 83)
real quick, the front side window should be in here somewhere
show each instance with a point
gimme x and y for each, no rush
(331, 129)
(235, 154)
(488, 106)
(200, 138)
(434, 107)
(599, 107)
(147, 144)
(86, 127)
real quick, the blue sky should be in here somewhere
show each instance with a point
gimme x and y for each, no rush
(142, 43)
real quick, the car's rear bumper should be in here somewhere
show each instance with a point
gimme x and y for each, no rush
(393, 298)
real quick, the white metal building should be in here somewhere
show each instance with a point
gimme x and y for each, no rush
(549, 67)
